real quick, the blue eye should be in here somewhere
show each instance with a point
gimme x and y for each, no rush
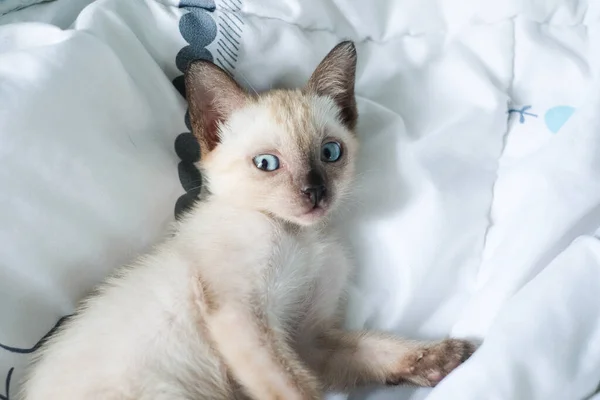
(266, 162)
(331, 152)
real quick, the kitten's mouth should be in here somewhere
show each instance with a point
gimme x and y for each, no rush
(316, 211)
(313, 214)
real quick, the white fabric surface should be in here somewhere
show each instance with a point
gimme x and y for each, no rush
(7, 6)
(60, 13)
(89, 175)
(465, 221)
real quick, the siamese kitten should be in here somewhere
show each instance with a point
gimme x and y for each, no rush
(246, 300)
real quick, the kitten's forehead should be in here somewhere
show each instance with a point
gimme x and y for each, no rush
(301, 119)
(288, 107)
(293, 115)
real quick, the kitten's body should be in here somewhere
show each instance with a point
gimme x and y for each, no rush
(143, 338)
(245, 301)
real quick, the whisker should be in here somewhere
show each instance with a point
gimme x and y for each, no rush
(248, 82)
(195, 187)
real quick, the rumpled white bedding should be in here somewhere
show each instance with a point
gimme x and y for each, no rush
(478, 200)
(13, 5)
(60, 13)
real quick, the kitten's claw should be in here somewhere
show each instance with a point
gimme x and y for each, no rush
(428, 365)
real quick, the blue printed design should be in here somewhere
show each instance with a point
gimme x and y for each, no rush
(208, 5)
(557, 116)
(554, 117)
(6, 395)
(18, 350)
(522, 113)
(199, 27)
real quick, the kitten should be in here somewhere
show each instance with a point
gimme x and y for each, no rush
(246, 300)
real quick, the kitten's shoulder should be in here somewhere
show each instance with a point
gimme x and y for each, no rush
(217, 228)
(213, 217)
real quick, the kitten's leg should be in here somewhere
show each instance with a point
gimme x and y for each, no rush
(257, 355)
(344, 360)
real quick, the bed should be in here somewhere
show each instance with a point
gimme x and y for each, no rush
(477, 211)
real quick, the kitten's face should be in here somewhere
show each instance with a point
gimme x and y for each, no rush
(289, 153)
(285, 153)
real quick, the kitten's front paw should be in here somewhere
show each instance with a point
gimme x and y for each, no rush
(428, 365)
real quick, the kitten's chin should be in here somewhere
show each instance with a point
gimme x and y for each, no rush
(311, 216)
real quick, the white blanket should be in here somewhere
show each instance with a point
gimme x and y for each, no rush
(14, 5)
(61, 13)
(478, 198)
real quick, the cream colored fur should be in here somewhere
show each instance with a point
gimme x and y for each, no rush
(246, 299)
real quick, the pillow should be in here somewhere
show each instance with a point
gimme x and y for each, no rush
(95, 155)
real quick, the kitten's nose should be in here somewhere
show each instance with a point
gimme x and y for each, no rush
(314, 193)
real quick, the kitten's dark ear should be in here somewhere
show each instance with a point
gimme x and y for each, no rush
(334, 77)
(212, 96)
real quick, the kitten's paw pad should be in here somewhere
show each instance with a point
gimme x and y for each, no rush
(427, 366)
